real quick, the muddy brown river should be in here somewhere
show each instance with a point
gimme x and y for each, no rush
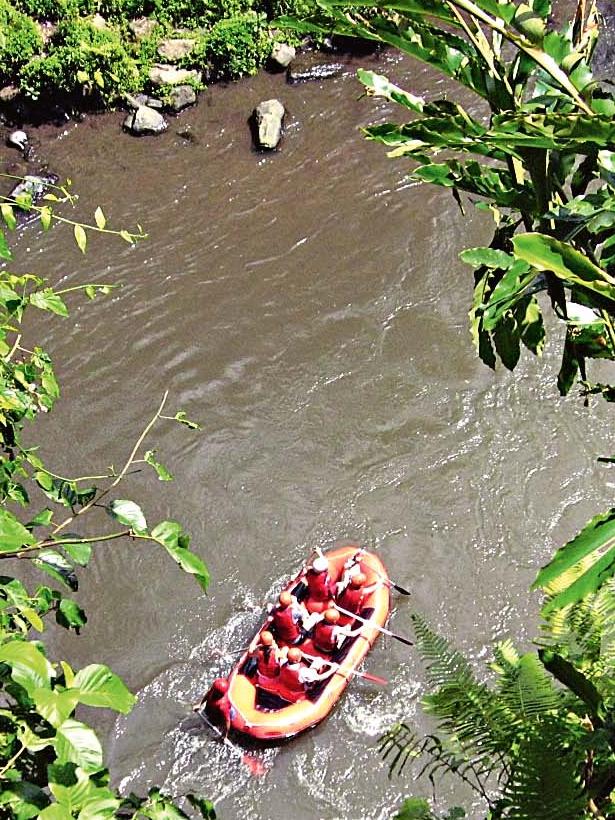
(307, 307)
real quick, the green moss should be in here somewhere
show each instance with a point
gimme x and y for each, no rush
(83, 60)
(237, 46)
(20, 40)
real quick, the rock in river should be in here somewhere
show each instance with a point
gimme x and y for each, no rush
(33, 186)
(282, 55)
(268, 118)
(181, 96)
(169, 75)
(145, 121)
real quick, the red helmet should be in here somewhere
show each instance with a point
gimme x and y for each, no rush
(359, 579)
(266, 638)
(285, 598)
(332, 616)
(294, 655)
(220, 685)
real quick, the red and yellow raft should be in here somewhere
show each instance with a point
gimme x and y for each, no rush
(256, 716)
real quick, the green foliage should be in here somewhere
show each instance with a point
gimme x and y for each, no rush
(83, 60)
(19, 40)
(549, 748)
(51, 763)
(237, 46)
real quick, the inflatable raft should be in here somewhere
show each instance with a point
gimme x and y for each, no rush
(261, 713)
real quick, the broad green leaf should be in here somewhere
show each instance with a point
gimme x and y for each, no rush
(48, 300)
(45, 217)
(175, 541)
(77, 743)
(55, 706)
(55, 812)
(597, 534)
(69, 675)
(574, 680)
(5, 251)
(29, 667)
(23, 799)
(490, 257)
(33, 618)
(99, 218)
(80, 237)
(129, 513)
(32, 741)
(57, 567)
(69, 614)
(80, 553)
(547, 254)
(379, 86)
(414, 808)
(127, 237)
(590, 581)
(8, 214)
(101, 805)
(160, 807)
(13, 534)
(97, 685)
(41, 519)
(161, 470)
(206, 807)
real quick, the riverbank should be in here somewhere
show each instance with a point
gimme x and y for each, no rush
(82, 55)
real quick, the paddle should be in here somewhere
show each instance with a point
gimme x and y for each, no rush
(256, 766)
(375, 626)
(366, 675)
(390, 583)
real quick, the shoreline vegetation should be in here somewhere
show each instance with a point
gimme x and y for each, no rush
(75, 56)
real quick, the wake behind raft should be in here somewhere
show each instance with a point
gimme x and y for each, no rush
(282, 687)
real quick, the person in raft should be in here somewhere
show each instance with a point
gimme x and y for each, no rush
(329, 635)
(352, 567)
(351, 597)
(287, 619)
(267, 656)
(320, 587)
(218, 706)
(296, 679)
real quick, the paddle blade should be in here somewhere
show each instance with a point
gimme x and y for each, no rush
(400, 589)
(375, 678)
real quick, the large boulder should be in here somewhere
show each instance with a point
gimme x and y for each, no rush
(176, 49)
(145, 120)
(268, 120)
(181, 96)
(160, 74)
(282, 55)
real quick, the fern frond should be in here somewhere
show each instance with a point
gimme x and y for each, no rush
(545, 781)
(527, 690)
(444, 664)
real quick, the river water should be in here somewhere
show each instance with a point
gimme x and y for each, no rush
(307, 307)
